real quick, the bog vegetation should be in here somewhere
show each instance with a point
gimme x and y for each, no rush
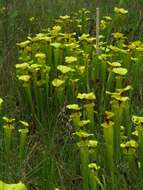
(79, 122)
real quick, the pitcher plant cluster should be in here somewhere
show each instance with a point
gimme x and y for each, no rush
(101, 94)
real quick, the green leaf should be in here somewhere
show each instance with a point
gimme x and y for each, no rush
(18, 186)
(86, 96)
(120, 11)
(118, 35)
(138, 120)
(1, 102)
(117, 96)
(56, 45)
(22, 66)
(41, 37)
(73, 107)
(93, 166)
(70, 59)
(65, 17)
(65, 69)
(24, 131)
(24, 123)
(120, 71)
(83, 134)
(124, 89)
(92, 143)
(114, 64)
(24, 44)
(40, 55)
(107, 124)
(57, 82)
(83, 123)
(84, 37)
(8, 120)
(129, 144)
(24, 78)
(109, 115)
